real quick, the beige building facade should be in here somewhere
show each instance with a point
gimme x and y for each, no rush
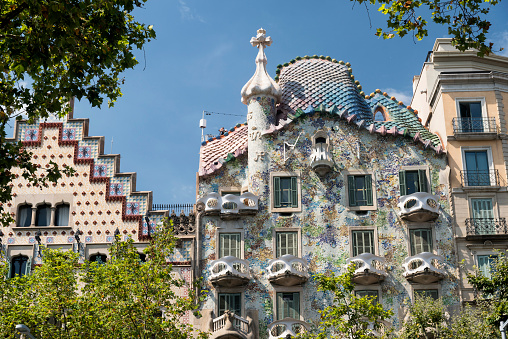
(462, 98)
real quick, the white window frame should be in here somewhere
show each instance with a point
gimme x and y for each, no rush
(298, 232)
(481, 99)
(299, 192)
(222, 232)
(421, 226)
(416, 287)
(289, 289)
(221, 290)
(362, 228)
(490, 196)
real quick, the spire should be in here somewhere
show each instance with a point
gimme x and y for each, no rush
(260, 83)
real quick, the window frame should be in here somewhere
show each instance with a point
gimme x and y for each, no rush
(363, 289)
(458, 101)
(420, 170)
(285, 209)
(490, 160)
(40, 206)
(353, 230)
(372, 207)
(298, 232)
(288, 290)
(28, 265)
(229, 290)
(419, 287)
(417, 290)
(59, 206)
(241, 247)
(23, 205)
(494, 256)
(239, 294)
(418, 228)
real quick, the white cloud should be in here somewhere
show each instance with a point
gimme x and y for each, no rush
(187, 13)
(399, 95)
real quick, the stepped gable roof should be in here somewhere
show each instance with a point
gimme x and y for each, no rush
(311, 82)
(222, 148)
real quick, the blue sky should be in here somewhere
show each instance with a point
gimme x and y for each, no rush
(202, 58)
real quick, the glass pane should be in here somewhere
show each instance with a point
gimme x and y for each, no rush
(363, 242)
(485, 264)
(231, 302)
(24, 216)
(62, 215)
(421, 241)
(285, 187)
(229, 244)
(43, 215)
(412, 183)
(288, 305)
(360, 191)
(18, 266)
(477, 168)
(287, 243)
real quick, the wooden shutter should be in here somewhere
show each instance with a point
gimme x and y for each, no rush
(28, 267)
(368, 189)
(276, 192)
(294, 192)
(402, 183)
(295, 306)
(280, 307)
(422, 180)
(352, 190)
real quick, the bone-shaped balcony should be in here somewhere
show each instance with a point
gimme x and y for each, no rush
(229, 271)
(321, 159)
(230, 206)
(286, 328)
(369, 269)
(288, 270)
(423, 268)
(419, 207)
(230, 325)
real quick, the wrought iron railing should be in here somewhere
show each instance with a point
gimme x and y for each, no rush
(474, 125)
(186, 208)
(480, 178)
(486, 226)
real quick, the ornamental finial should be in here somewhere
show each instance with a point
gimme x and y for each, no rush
(260, 83)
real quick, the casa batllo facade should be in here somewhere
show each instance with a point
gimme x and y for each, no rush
(319, 176)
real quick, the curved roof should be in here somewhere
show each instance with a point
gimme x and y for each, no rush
(311, 82)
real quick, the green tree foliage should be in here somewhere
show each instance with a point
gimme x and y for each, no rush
(429, 319)
(350, 316)
(53, 50)
(466, 20)
(494, 289)
(122, 298)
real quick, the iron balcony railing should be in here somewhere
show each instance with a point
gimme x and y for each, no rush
(480, 178)
(474, 125)
(186, 208)
(486, 226)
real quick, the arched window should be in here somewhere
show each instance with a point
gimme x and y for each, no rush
(99, 258)
(24, 218)
(43, 215)
(62, 215)
(20, 266)
(379, 114)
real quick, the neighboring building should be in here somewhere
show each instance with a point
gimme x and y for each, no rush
(462, 98)
(98, 200)
(318, 176)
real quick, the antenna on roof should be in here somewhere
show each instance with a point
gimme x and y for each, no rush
(202, 125)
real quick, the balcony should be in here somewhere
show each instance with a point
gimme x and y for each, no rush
(422, 268)
(321, 159)
(230, 206)
(486, 228)
(230, 325)
(419, 207)
(286, 328)
(229, 272)
(288, 270)
(474, 128)
(480, 179)
(369, 269)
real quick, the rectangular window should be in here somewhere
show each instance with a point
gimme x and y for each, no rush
(485, 264)
(231, 302)
(482, 213)
(413, 181)
(368, 293)
(287, 243)
(285, 192)
(421, 241)
(427, 294)
(363, 242)
(229, 245)
(471, 116)
(477, 168)
(288, 305)
(360, 190)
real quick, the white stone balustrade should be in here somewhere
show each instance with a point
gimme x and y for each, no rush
(420, 206)
(365, 264)
(232, 325)
(321, 159)
(230, 204)
(287, 326)
(294, 268)
(229, 271)
(420, 268)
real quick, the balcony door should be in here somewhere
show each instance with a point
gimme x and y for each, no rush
(483, 216)
(477, 168)
(471, 116)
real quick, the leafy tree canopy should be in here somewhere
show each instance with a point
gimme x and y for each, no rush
(466, 20)
(51, 51)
